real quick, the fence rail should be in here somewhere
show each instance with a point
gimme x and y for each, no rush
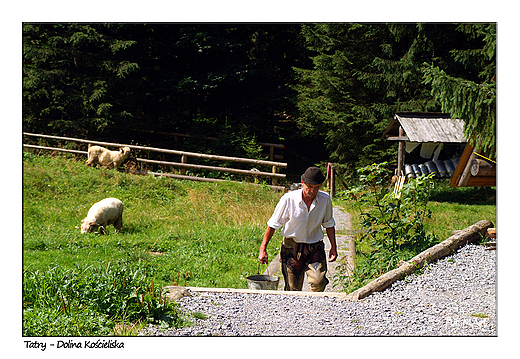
(275, 166)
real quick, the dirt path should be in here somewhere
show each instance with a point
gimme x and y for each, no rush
(343, 223)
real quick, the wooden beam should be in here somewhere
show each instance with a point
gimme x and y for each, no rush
(212, 168)
(481, 181)
(463, 160)
(400, 153)
(466, 174)
(398, 138)
(339, 295)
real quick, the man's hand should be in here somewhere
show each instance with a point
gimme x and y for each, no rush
(262, 256)
(333, 254)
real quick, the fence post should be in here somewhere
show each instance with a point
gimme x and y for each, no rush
(275, 182)
(332, 182)
(184, 159)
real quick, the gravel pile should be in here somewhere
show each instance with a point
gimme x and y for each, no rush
(452, 297)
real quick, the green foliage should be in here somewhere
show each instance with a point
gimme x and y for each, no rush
(89, 79)
(471, 99)
(394, 223)
(88, 301)
(362, 74)
(330, 93)
(328, 89)
(70, 72)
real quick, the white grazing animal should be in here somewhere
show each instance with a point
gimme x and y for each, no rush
(106, 158)
(103, 213)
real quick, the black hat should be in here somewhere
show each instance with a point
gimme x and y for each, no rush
(313, 175)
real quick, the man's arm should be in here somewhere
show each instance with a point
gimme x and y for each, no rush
(333, 252)
(262, 256)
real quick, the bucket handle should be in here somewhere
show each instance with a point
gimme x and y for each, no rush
(258, 270)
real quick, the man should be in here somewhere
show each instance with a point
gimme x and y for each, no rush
(300, 215)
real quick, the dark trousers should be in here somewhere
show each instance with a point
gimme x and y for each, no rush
(300, 258)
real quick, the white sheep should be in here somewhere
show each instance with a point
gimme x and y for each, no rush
(106, 158)
(103, 213)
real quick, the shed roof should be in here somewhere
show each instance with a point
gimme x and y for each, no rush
(427, 127)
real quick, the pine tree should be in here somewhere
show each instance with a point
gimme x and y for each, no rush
(471, 97)
(363, 74)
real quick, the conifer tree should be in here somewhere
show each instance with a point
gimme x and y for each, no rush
(471, 97)
(363, 74)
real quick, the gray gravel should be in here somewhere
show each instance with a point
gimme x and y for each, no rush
(453, 297)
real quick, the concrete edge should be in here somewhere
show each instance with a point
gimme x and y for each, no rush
(338, 295)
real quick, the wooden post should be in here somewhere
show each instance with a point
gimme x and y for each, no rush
(275, 182)
(332, 186)
(184, 159)
(400, 153)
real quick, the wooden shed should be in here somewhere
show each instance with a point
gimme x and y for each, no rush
(430, 130)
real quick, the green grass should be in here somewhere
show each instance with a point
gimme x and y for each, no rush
(459, 208)
(174, 233)
(208, 234)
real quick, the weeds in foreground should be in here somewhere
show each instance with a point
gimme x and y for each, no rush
(90, 301)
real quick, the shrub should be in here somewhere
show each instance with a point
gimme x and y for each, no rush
(393, 223)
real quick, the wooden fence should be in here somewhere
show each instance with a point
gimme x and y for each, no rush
(274, 175)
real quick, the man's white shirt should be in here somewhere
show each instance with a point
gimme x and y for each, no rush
(295, 221)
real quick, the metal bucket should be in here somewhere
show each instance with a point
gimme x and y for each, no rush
(449, 167)
(408, 171)
(262, 282)
(441, 168)
(432, 168)
(416, 170)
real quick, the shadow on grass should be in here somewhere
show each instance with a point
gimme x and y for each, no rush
(132, 229)
(464, 195)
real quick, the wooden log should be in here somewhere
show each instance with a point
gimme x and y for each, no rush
(332, 182)
(212, 168)
(480, 167)
(184, 160)
(468, 235)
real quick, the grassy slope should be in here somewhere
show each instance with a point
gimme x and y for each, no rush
(208, 232)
